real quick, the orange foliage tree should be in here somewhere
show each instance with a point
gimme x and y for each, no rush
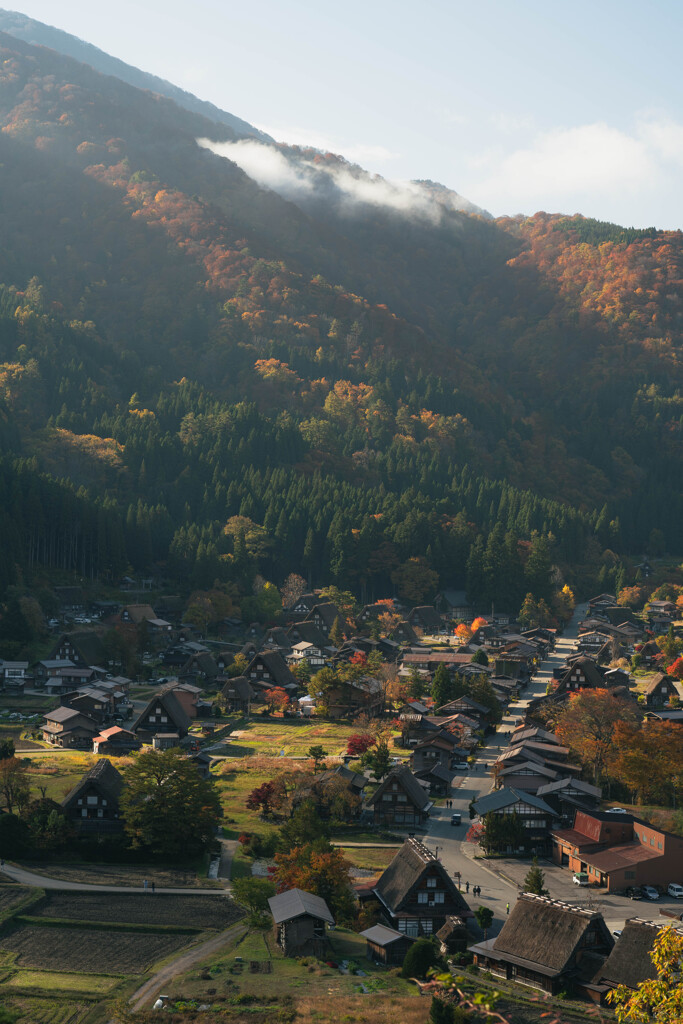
(587, 724)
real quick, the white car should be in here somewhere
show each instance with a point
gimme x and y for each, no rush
(675, 890)
(649, 892)
(616, 810)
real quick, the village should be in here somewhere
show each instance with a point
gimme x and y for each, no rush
(428, 751)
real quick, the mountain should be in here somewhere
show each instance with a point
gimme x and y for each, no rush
(39, 34)
(349, 379)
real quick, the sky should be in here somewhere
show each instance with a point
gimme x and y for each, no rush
(519, 105)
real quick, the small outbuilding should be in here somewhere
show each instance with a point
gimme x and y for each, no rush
(386, 945)
(300, 919)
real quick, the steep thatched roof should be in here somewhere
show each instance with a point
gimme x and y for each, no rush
(406, 870)
(629, 962)
(546, 932)
(105, 777)
(407, 782)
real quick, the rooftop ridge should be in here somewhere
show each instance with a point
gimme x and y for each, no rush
(421, 849)
(548, 901)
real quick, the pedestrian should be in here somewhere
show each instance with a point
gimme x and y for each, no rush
(467, 886)
(507, 908)
(152, 886)
(144, 885)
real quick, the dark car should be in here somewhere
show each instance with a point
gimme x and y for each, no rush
(456, 819)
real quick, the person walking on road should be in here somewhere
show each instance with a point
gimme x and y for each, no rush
(507, 908)
(144, 885)
(467, 886)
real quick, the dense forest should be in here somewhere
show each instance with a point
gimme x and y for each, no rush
(205, 379)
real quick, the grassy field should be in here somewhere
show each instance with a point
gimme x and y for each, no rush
(41, 1010)
(235, 780)
(320, 993)
(368, 858)
(55, 981)
(290, 737)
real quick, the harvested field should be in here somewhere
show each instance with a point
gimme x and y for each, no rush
(11, 895)
(37, 1010)
(54, 981)
(77, 949)
(137, 908)
(132, 875)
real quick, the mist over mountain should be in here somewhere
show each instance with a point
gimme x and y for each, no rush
(325, 182)
(209, 373)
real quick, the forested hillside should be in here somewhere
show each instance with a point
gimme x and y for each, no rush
(201, 375)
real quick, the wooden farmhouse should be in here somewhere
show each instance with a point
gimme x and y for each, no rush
(65, 727)
(400, 800)
(416, 892)
(300, 920)
(546, 944)
(386, 945)
(93, 804)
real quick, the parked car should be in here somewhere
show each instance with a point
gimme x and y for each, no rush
(616, 810)
(456, 819)
(650, 893)
(580, 878)
(676, 890)
(461, 766)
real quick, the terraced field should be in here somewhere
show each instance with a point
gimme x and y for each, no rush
(201, 912)
(80, 950)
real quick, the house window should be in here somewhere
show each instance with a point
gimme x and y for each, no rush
(438, 897)
(629, 874)
(92, 801)
(422, 897)
(427, 927)
(401, 798)
(659, 844)
(164, 718)
(431, 883)
(652, 840)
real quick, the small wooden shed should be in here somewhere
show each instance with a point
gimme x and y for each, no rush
(386, 945)
(300, 919)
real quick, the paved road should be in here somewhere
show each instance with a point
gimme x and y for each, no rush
(458, 855)
(23, 877)
(501, 881)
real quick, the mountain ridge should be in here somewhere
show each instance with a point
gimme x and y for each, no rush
(338, 385)
(38, 33)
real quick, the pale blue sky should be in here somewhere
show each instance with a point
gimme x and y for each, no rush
(520, 105)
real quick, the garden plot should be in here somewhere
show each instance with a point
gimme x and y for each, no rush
(200, 912)
(83, 951)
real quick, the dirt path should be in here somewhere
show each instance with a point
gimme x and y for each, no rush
(153, 986)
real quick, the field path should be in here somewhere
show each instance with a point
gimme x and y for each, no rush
(24, 877)
(183, 963)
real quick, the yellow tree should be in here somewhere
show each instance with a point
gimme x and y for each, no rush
(658, 1000)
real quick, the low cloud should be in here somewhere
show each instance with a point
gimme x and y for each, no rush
(304, 179)
(596, 169)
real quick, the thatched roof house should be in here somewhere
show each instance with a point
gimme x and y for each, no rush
(630, 963)
(546, 944)
(416, 892)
